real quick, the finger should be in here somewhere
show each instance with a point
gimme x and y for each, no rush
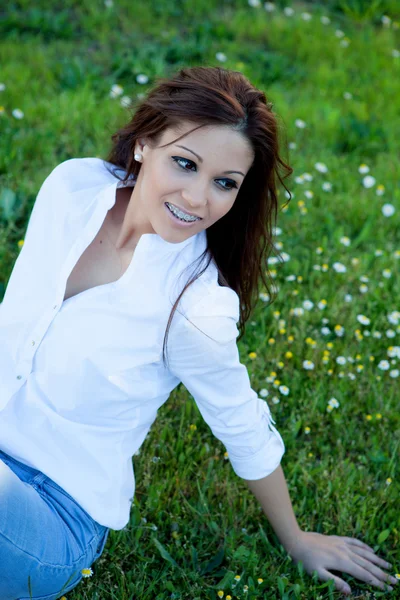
(376, 571)
(356, 542)
(372, 557)
(340, 585)
(364, 574)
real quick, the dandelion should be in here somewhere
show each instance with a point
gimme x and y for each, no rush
(87, 572)
(220, 594)
(368, 181)
(388, 210)
(252, 355)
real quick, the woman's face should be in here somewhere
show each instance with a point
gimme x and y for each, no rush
(202, 178)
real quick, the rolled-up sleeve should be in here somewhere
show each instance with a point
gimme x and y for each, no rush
(203, 354)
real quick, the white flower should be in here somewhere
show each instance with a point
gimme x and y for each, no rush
(334, 403)
(394, 352)
(388, 210)
(394, 317)
(308, 304)
(299, 179)
(321, 167)
(325, 20)
(276, 231)
(269, 6)
(220, 56)
(394, 373)
(386, 20)
(275, 399)
(288, 11)
(2, 87)
(347, 95)
(306, 16)
(326, 186)
(377, 335)
(368, 181)
(307, 364)
(363, 320)
(387, 273)
(264, 297)
(383, 365)
(309, 194)
(307, 177)
(339, 268)
(285, 256)
(378, 252)
(272, 260)
(390, 333)
(264, 393)
(297, 312)
(344, 43)
(300, 123)
(125, 101)
(284, 390)
(325, 331)
(348, 298)
(341, 360)
(17, 113)
(108, 3)
(116, 90)
(291, 278)
(395, 53)
(254, 3)
(141, 78)
(363, 169)
(363, 288)
(345, 240)
(292, 145)
(321, 305)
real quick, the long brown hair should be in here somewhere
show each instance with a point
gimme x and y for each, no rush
(241, 241)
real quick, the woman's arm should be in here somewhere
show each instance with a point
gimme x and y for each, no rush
(316, 551)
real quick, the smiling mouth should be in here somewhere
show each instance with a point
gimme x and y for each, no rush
(181, 215)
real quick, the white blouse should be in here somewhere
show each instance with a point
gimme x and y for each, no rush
(81, 380)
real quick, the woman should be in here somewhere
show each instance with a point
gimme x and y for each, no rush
(165, 240)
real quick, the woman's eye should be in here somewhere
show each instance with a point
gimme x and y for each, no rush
(178, 160)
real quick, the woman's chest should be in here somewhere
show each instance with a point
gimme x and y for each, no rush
(100, 262)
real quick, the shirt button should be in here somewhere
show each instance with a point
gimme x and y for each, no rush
(33, 342)
(19, 376)
(55, 306)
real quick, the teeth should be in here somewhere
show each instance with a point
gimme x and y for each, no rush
(181, 214)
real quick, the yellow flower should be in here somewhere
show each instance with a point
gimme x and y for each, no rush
(329, 345)
(252, 355)
(310, 454)
(271, 341)
(289, 355)
(193, 427)
(259, 580)
(237, 577)
(20, 243)
(368, 417)
(378, 416)
(220, 594)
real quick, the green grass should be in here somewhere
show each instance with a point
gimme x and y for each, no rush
(194, 524)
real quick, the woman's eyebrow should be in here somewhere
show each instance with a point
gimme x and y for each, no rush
(201, 160)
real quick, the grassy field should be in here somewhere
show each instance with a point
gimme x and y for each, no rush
(326, 354)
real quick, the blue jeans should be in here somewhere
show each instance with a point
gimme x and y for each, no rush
(46, 538)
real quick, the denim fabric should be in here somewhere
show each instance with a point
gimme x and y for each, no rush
(45, 536)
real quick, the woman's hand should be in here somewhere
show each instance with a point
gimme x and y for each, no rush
(320, 553)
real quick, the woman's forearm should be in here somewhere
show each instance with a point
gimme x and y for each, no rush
(272, 493)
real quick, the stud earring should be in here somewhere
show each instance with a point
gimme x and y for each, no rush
(138, 157)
